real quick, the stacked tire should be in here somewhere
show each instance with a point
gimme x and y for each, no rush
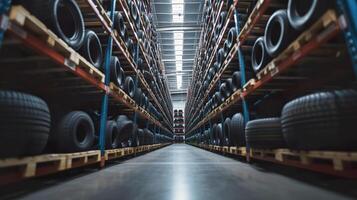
(282, 27)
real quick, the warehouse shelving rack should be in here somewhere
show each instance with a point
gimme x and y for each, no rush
(330, 25)
(91, 87)
(122, 6)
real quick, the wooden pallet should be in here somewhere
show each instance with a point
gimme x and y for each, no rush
(241, 151)
(120, 93)
(250, 84)
(13, 169)
(331, 162)
(103, 12)
(113, 154)
(23, 18)
(74, 160)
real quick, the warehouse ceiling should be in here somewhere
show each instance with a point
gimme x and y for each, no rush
(178, 24)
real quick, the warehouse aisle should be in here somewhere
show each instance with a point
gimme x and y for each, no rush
(183, 172)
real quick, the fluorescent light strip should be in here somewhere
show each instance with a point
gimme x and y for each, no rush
(177, 17)
(179, 81)
(177, 11)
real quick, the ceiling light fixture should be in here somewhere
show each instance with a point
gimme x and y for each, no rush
(177, 11)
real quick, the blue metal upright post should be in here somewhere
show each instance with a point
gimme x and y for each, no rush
(136, 58)
(104, 111)
(241, 68)
(349, 9)
(243, 78)
(4, 7)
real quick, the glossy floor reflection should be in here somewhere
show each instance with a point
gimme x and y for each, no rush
(183, 172)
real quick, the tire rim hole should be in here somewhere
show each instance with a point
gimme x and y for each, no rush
(81, 133)
(258, 54)
(303, 7)
(94, 49)
(66, 20)
(275, 33)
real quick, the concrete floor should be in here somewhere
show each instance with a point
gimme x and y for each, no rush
(183, 172)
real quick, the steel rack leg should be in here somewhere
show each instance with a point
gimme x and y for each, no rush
(243, 77)
(104, 111)
(4, 7)
(136, 83)
(349, 9)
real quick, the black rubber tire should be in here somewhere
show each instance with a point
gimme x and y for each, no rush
(125, 37)
(321, 121)
(141, 136)
(224, 91)
(141, 35)
(149, 137)
(144, 100)
(229, 84)
(211, 73)
(232, 37)
(74, 132)
(237, 130)
(265, 133)
(112, 135)
(222, 19)
(218, 132)
(130, 46)
(227, 132)
(214, 101)
(119, 23)
(216, 67)
(302, 13)
(220, 58)
(134, 14)
(138, 94)
(259, 56)
(226, 49)
(140, 64)
(116, 72)
(125, 128)
(213, 135)
(25, 123)
(92, 49)
(129, 86)
(63, 17)
(278, 33)
(147, 75)
(134, 138)
(236, 79)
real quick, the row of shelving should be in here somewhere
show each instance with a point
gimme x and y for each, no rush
(325, 29)
(254, 23)
(315, 58)
(17, 169)
(124, 7)
(25, 27)
(327, 162)
(203, 69)
(36, 61)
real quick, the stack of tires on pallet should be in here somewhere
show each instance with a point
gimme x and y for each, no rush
(30, 126)
(320, 120)
(178, 122)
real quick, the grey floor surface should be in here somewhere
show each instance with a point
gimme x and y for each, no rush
(183, 172)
